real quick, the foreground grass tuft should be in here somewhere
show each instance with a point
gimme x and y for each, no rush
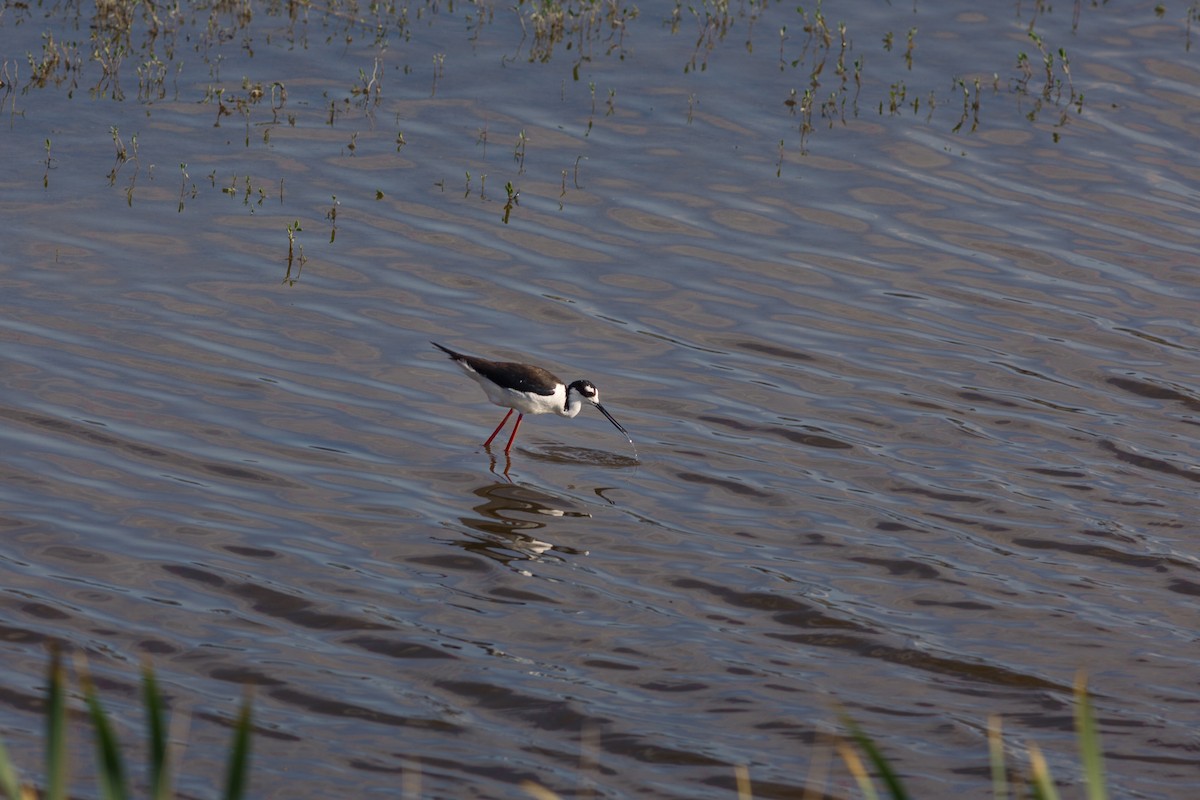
(111, 771)
(863, 758)
(1037, 783)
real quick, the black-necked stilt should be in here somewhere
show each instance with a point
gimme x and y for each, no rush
(527, 389)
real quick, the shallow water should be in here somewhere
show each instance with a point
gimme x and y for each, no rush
(914, 410)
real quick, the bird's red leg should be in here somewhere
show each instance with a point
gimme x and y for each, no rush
(516, 425)
(501, 425)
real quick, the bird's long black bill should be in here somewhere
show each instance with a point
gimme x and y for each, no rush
(614, 422)
(618, 426)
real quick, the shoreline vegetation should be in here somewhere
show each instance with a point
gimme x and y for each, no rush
(861, 757)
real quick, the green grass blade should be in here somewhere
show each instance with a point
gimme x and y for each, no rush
(158, 749)
(110, 765)
(996, 756)
(1089, 741)
(10, 783)
(889, 777)
(56, 729)
(237, 776)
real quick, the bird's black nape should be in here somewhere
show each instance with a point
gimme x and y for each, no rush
(585, 389)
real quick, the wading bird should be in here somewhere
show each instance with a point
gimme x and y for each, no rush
(527, 389)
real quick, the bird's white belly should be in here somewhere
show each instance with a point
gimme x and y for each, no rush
(521, 402)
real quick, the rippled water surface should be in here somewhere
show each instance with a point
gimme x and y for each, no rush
(914, 408)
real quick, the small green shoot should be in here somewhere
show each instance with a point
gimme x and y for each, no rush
(49, 165)
(111, 767)
(56, 730)
(331, 215)
(996, 757)
(876, 757)
(1090, 752)
(514, 198)
(184, 178)
(519, 152)
(295, 255)
(439, 64)
(237, 772)
(157, 746)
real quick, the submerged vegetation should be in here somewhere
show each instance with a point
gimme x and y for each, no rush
(825, 72)
(131, 43)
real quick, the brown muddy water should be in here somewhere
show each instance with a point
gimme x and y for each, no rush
(903, 330)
